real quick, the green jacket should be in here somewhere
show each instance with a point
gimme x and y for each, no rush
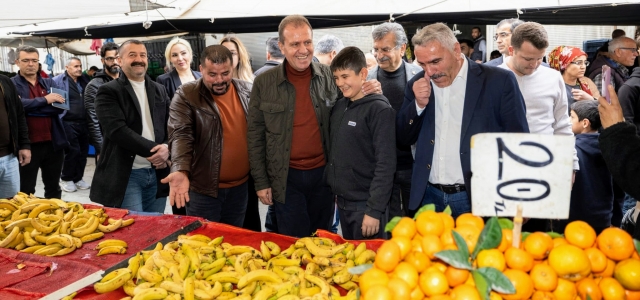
(271, 122)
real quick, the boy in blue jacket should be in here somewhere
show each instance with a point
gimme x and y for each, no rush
(362, 159)
(592, 197)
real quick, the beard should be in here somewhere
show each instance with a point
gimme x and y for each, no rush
(223, 84)
(113, 69)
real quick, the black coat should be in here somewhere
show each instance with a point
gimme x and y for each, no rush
(15, 111)
(629, 96)
(90, 92)
(119, 115)
(171, 81)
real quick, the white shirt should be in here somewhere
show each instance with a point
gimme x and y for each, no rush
(545, 98)
(446, 167)
(147, 124)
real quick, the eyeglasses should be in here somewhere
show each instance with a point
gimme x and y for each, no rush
(630, 49)
(110, 58)
(580, 63)
(501, 35)
(384, 50)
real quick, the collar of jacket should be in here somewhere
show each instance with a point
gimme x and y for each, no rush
(23, 80)
(315, 71)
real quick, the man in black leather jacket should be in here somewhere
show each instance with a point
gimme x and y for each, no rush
(110, 71)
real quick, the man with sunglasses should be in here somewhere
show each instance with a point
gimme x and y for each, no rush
(110, 71)
(622, 54)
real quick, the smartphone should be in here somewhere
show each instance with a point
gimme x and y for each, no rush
(606, 80)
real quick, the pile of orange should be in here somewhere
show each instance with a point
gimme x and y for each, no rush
(569, 267)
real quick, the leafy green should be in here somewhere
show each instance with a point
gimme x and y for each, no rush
(392, 224)
(505, 223)
(461, 243)
(447, 210)
(481, 284)
(431, 207)
(499, 282)
(455, 258)
(360, 269)
(490, 237)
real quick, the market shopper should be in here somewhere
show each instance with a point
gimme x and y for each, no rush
(110, 71)
(15, 147)
(503, 39)
(208, 138)
(75, 126)
(393, 73)
(622, 53)
(133, 112)
(241, 59)
(274, 56)
(452, 99)
(572, 63)
(46, 131)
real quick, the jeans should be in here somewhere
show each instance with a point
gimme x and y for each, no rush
(49, 161)
(9, 176)
(458, 202)
(399, 203)
(141, 192)
(308, 205)
(75, 156)
(229, 207)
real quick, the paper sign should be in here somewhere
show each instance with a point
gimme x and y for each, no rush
(519, 168)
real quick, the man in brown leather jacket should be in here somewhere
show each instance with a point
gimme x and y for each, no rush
(208, 139)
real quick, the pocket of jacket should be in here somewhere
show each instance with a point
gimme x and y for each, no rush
(273, 117)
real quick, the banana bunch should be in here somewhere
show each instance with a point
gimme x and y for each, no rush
(199, 267)
(51, 227)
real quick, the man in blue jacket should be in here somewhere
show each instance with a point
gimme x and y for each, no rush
(452, 99)
(46, 132)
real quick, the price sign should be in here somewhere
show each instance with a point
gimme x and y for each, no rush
(533, 170)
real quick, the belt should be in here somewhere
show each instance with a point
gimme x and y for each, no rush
(449, 188)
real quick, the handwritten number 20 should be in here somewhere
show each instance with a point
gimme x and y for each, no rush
(502, 148)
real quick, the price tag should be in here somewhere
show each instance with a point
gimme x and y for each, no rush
(533, 170)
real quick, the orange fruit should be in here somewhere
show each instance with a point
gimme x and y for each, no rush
(406, 272)
(588, 286)
(465, 292)
(507, 240)
(540, 295)
(378, 292)
(544, 278)
(471, 220)
(433, 283)
(559, 241)
(400, 289)
(446, 238)
(522, 282)
(615, 243)
(440, 297)
(580, 233)
(450, 247)
(611, 289)
(470, 235)
(439, 265)
(418, 260)
(632, 295)
(372, 277)
(417, 294)
(404, 243)
(430, 245)
(455, 276)
(416, 244)
(597, 259)
(570, 262)
(406, 227)
(608, 271)
(566, 290)
(388, 256)
(447, 220)
(627, 272)
(491, 258)
(429, 222)
(494, 296)
(539, 244)
(471, 282)
(518, 259)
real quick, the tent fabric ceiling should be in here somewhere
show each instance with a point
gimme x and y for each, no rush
(23, 12)
(574, 15)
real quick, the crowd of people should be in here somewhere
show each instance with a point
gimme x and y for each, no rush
(322, 134)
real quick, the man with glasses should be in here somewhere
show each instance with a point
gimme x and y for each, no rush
(389, 45)
(622, 54)
(110, 71)
(503, 39)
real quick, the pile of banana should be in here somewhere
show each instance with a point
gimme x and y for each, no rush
(198, 267)
(51, 227)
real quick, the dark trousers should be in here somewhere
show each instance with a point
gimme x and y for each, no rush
(399, 203)
(229, 207)
(270, 222)
(351, 217)
(44, 158)
(252, 217)
(308, 204)
(75, 156)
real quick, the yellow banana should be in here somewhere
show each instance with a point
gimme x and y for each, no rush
(195, 244)
(283, 262)
(149, 275)
(28, 240)
(19, 223)
(127, 222)
(200, 237)
(91, 237)
(64, 227)
(4, 213)
(111, 227)
(112, 284)
(183, 267)
(224, 277)
(318, 251)
(359, 249)
(289, 297)
(42, 239)
(275, 249)
(111, 242)
(262, 275)
(350, 247)
(152, 294)
(70, 296)
(68, 216)
(235, 250)
(134, 264)
(40, 208)
(20, 246)
(63, 239)
(227, 286)
(175, 274)
(32, 249)
(129, 287)
(265, 293)
(173, 287)
(85, 229)
(189, 287)
(64, 251)
(265, 251)
(327, 273)
(225, 296)
(6, 204)
(216, 289)
(112, 250)
(10, 238)
(349, 285)
(367, 255)
(280, 273)
(217, 241)
(143, 286)
(298, 253)
(115, 273)
(78, 222)
(241, 261)
(289, 251)
(319, 281)
(77, 242)
(43, 216)
(192, 255)
(309, 292)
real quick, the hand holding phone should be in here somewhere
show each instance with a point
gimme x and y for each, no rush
(606, 80)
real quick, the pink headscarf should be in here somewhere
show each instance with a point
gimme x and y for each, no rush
(560, 58)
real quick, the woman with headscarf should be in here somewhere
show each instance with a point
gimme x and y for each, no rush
(241, 61)
(572, 64)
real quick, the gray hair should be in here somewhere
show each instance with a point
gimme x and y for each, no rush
(618, 42)
(510, 22)
(435, 32)
(385, 28)
(515, 24)
(70, 59)
(329, 43)
(273, 48)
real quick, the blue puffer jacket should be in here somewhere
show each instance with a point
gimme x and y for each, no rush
(39, 107)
